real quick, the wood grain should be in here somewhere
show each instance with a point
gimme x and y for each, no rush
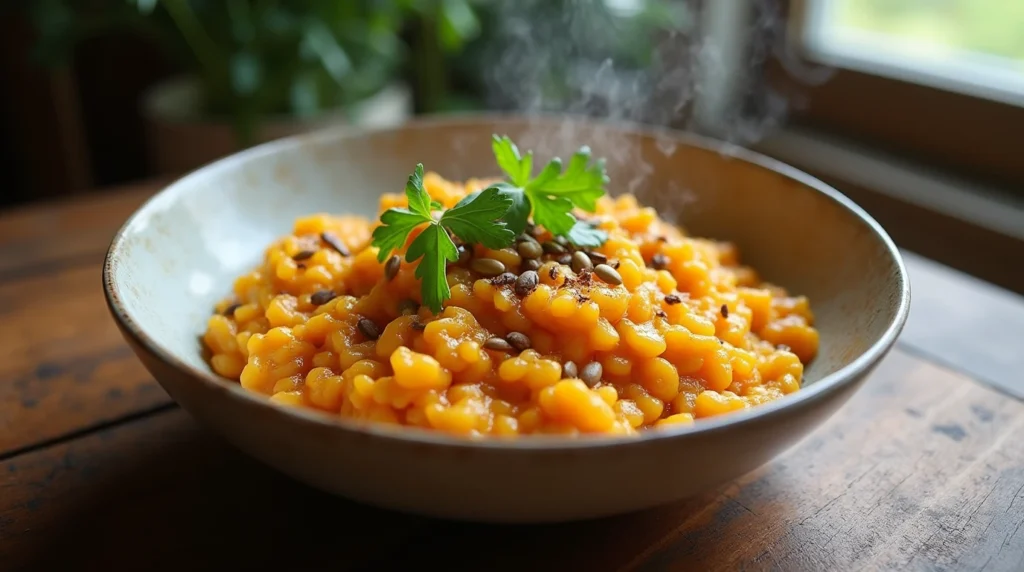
(47, 237)
(63, 364)
(966, 324)
(161, 494)
(921, 470)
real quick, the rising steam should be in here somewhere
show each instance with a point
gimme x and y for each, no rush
(647, 61)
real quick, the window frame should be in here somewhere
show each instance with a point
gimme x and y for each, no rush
(963, 134)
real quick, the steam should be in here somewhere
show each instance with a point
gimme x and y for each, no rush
(597, 58)
(699, 69)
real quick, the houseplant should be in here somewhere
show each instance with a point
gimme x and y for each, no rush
(253, 69)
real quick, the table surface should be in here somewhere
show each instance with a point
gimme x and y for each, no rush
(99, 469)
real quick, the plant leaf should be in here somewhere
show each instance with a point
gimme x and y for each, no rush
(419, 200)
(434, 248)
(517, 167)
(553, 213)
(478, 219)
(391, 235)
(584, 234)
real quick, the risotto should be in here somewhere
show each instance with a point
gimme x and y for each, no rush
(652, 328)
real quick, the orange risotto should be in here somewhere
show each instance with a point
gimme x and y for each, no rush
(652, 328)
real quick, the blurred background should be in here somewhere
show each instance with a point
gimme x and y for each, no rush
(913, 108)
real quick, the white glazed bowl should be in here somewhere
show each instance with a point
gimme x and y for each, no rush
(180, 252)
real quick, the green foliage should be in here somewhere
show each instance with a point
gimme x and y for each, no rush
(253, 57)
(476, 219)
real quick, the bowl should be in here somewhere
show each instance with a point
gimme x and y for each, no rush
(180, 252)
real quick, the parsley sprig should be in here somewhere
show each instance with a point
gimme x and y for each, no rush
(493, 217)
(552, 194)
(475, 219)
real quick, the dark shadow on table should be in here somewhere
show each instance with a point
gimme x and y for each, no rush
(184, 500)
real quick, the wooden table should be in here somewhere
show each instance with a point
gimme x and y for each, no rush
(99, 470)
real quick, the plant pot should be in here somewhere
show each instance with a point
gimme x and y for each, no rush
(180, 137)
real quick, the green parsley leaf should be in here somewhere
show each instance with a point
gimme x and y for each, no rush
(436, 249)
(555, 213)
(391, 236)
(517, 167)
(477, 219)
(580, 183)
(519, 213)
(419, 200)
(553, 194)
(584, 234)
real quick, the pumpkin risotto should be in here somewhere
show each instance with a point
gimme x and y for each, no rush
(651, 328)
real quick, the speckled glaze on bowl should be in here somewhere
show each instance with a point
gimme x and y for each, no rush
(180, 252)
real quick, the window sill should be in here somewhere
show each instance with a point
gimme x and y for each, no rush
(973, 227)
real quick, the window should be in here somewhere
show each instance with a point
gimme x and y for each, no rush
(974, 47)
(941, 81)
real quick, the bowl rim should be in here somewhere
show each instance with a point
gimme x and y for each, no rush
(806, 397)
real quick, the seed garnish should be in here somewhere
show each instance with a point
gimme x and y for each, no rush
(497, 344)
(659, 261)
(332, 240)
(518, 340)
(526, 283)
(597, 258)
(419, 326)
(391, 267)
(529, 249)
(487, 266)
(322, 297)
(303, 255)
(591, 373)
(368, 328)
(569, 370)
(672, 299)
(580, 261)
(564, 259)
(608, 274)
(531, 264)
(552, 247)
(503, 279)
(725, 311)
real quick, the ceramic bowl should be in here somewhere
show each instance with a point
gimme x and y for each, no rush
(180, 252)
